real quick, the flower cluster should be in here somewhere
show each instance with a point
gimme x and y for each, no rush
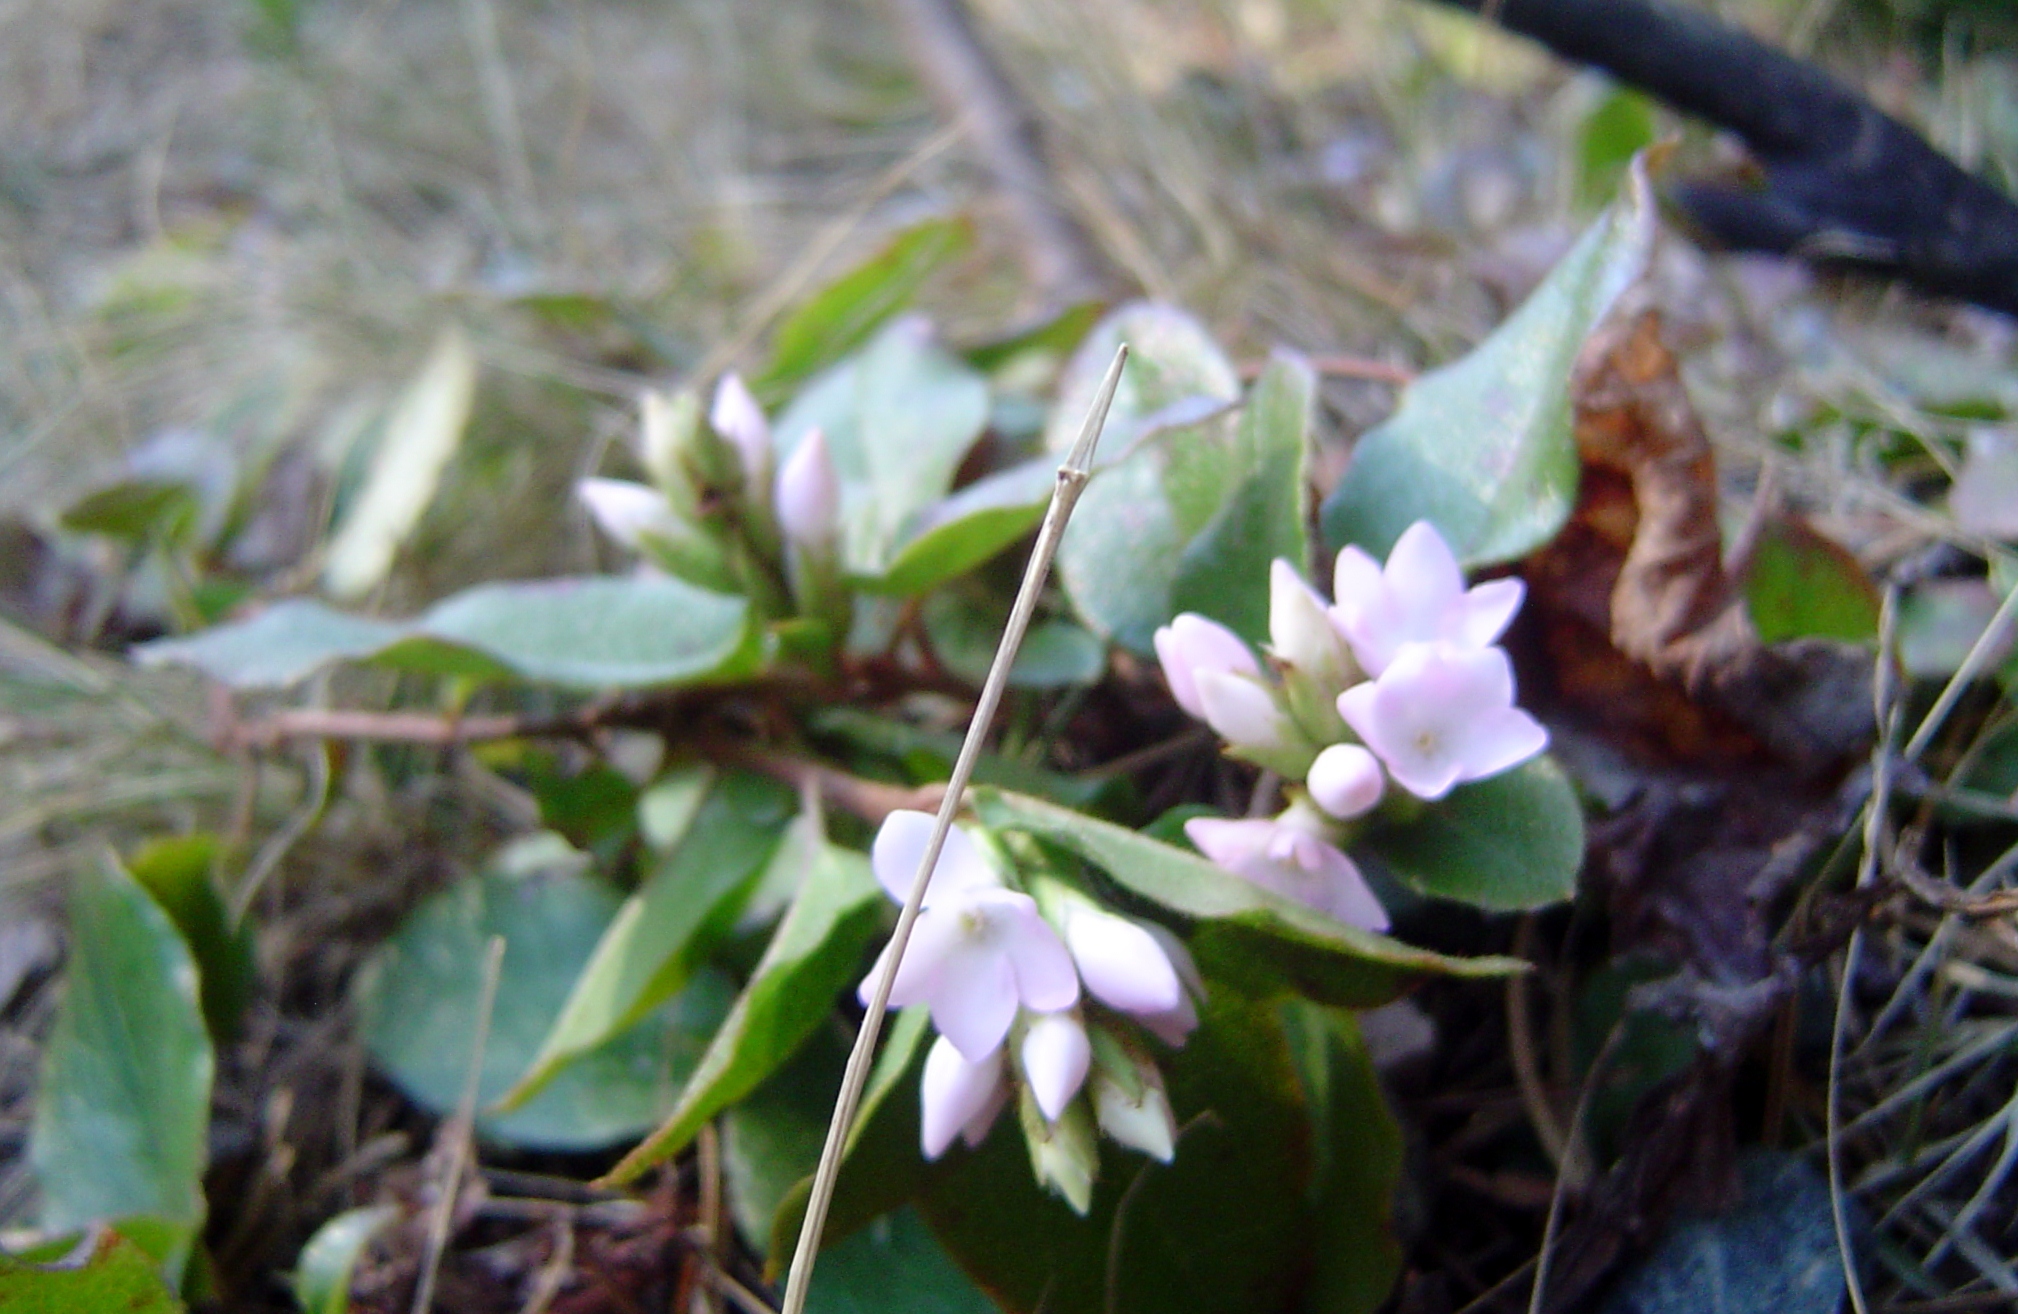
(1398, 679)
(722, 510)
(1007, 978)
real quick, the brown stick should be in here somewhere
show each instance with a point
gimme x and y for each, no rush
(974, 91)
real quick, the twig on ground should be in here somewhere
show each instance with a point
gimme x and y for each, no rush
(458, 1132)
(1343, 367)
(1575, 1167)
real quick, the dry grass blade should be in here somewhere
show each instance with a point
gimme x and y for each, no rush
(1072, 476)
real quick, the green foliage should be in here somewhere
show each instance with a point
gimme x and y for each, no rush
(137, 511)
(893, 1266)
(1190, 517)
(594, 632)
(647, 952)
(1799, 584)
(115, 1275)
(1508, 843)
(124, 1100)
(1482, 447)
(322, 1274)
(419, 998)
(841, 316)
(180, 872)
(815, 953)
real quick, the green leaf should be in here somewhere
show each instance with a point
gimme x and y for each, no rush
(1225, 1226)
(117, 1275)
(899, 418)
(1172, 363)
(772, 1137)
(646, 953)
(180, 873)
(928, 756)
(1512, 842)
(590, 632)
(893, 1266)
(418, 998)
(1617, 128)
(1357, 1155)
(814, 956)
(841, 316)
(882, 1166)
(1269, 942)
(137, 511)
(1801, 584)
(965, 630)
(954, 535)
(1224, 570)
(1482, 447)
(322, 1274)
(421, 435)
(1052, 336)
(1190, 519)
(124, 1100)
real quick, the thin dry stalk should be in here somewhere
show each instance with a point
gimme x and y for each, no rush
(459, 1132)
(1072, 476)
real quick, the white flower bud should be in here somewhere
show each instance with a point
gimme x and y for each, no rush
(809, 495)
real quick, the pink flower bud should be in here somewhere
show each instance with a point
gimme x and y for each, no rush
(1243, 711)
(1190, 644)
(1346, 780)
(1283, 857)
(1056, 1054)
(809, 495)
(958, 1097)
(1122, 964)
(737, 418)
(628, 512)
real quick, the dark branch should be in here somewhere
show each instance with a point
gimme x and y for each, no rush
(1845, 182)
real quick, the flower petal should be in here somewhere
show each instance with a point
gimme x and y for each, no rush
(1230, 843)
(954, 1095)
(934, 935)
(1046, 980)
(1191, 644)
(1483, 613)
(628, 512)
(1345, 893)
(1174, 1026)
(1498, 740)
(1422, 576)
(1056, 1054)
(1122, 964)
(808, 497)
(973, 1000)
(1143, 1123)
(900, 847)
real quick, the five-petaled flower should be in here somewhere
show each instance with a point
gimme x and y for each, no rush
(1441, 715)
(1418, 597)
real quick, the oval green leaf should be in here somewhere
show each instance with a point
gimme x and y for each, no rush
(812, 957)
(588, 632)
(322, 1274)
(418, 998)
(1483, 447)
(1513, 842)
(124, 1101)
(644, 955)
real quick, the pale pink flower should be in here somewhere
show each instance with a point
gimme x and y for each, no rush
(958, 1097)
(1056, 1054)
(1139, 1118)
(1346, 780)
(1190, 644)
(1442, 714)
(809, 495)
(1418, 597)
(1284, 857)
(977, 951)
